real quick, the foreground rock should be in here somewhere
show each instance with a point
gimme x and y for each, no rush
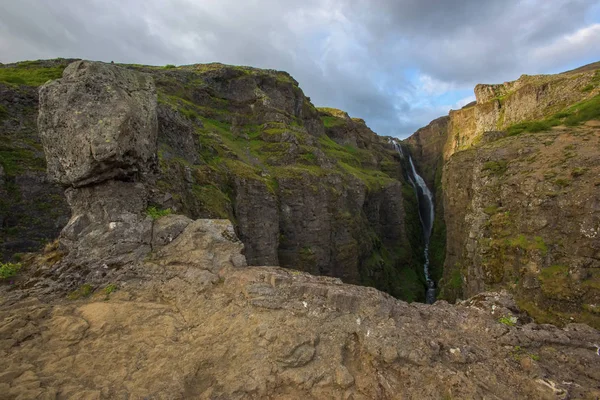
(98, 126)
(190, 323)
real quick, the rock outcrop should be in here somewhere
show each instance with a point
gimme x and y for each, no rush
(304, 188)
(528, 98)
(188, 322)
(98, 126)
(33, 210)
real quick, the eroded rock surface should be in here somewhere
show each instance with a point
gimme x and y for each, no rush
(98, 122)
(189, 323)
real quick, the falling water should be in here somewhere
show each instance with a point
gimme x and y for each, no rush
(426, 215)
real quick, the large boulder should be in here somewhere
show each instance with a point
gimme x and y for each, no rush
(98, 123)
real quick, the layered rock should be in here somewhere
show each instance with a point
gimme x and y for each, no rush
(33, 210)
(524, 213)
(531, 97)
(189, 324)
(244, 144)
(521, 208)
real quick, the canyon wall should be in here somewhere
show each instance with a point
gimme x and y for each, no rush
(520, 193)
(305, 187)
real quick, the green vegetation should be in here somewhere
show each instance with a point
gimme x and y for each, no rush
(15, 160)
(155, 213)
(524, 243)
(8, 270)
(82, 292)
(332, 117)
(108, 290)
(30, 73)
(169, 66)
(496, 168)
(574, 115)
(213, 200)
(3, 112)
(508, 321)
(576, 172)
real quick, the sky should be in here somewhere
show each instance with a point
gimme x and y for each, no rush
(398, 64)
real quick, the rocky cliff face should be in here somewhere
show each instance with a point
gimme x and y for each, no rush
(529, 98)
(308, 188)
(32, 209)
(520, 194)
(165, 307)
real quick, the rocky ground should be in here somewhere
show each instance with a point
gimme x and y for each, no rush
(192, 322)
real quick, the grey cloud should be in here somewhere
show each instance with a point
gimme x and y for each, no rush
(350, 54)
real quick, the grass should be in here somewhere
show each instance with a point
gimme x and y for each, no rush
(8, 270)
(155, 213)
(576, 172)
(30, 74)
(16, 160)
(572, 116)
(508, 321)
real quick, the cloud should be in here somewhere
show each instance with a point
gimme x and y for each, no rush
(578, 45)
(351, 54)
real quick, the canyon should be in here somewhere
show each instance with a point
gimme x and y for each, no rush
(210, 216)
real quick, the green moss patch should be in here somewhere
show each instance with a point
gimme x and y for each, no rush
(496, 168)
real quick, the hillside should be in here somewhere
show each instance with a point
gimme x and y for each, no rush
(310, 189)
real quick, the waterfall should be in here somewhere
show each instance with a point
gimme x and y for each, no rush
(426, 215)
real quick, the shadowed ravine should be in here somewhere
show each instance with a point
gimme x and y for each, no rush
(426, 215)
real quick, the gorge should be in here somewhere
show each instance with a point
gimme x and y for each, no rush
(170, 222)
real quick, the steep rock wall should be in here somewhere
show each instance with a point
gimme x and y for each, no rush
(523, 213)
(531, 97)
(245, 144)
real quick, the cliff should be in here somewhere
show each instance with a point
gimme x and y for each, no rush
(137, 304)
(520, 193)
(305, 188)
(530, 98)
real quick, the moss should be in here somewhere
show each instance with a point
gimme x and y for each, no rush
(213, 200)
(508, 321)
(496, 168)
(3, 112)
(109, 289)
(491, 210)
(576, 172)
(555, 282)
(30, 73)
(562, 182)
(331, 122)
(16, 160)
(82, 292)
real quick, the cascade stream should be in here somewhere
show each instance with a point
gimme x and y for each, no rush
(426, 215)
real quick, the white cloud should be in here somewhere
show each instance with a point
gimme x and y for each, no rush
(584, 42)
